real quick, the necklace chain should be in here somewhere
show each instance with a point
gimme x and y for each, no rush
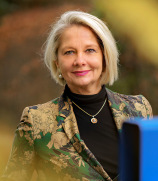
(93, 120)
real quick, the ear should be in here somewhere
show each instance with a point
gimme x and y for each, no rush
(56, 62)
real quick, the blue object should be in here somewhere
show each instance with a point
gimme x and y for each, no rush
(139, 150)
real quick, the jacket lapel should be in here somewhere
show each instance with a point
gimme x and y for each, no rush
(70, 127)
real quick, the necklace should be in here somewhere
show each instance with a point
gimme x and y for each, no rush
(93, 119)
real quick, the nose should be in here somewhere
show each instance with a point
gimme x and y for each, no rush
(79, 60)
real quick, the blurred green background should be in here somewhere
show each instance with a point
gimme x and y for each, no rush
(24, 79)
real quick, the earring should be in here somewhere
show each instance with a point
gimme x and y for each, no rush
(60, 76)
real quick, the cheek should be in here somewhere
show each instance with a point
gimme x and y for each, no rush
(64, 63)
(65, 68)
(61, 63)
(100, 64)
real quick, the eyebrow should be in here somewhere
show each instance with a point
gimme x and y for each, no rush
(86, 46)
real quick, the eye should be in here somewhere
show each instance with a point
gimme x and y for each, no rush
(90, 50)
(70, 52)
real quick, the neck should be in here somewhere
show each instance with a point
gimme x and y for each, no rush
(85, 90)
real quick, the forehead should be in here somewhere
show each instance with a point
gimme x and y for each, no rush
(75, 32)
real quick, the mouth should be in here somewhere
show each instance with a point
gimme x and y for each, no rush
(81, 73)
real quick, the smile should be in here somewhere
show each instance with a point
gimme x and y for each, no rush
(81, 73)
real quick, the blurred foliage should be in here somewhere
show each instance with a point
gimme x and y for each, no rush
(134, 25)
(6, 139)
(137, 20)
(7, 6)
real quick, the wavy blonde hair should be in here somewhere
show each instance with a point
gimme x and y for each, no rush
(103, 34)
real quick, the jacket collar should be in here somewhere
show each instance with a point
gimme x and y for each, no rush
(70, 127)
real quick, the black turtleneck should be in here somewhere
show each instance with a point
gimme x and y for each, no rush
(101, 138)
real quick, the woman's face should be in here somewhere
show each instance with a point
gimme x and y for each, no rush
(80, 60)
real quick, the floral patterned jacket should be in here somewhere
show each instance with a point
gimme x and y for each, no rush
(47, 140)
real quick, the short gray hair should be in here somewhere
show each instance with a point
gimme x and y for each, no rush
(102, 32)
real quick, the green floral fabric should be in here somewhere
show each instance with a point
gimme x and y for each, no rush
(47, 140)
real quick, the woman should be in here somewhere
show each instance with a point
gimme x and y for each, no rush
(75, 136)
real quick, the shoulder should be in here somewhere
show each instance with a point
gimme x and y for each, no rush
(40, 112)
(135, 103)
(45, 107)
(117, 97)
(40, 118)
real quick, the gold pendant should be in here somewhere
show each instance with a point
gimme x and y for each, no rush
(94, 120)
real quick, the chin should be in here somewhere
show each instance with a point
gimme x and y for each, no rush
(85, 84)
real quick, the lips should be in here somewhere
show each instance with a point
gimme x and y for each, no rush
(81, 73)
